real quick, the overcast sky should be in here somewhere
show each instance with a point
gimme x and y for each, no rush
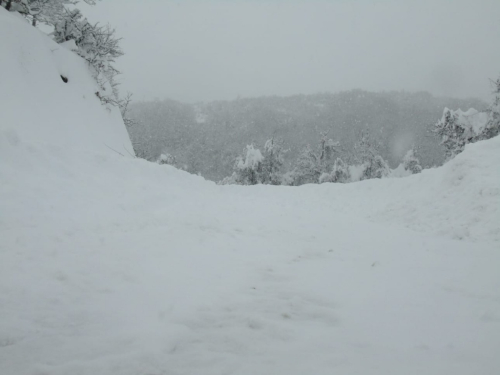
(214, 49)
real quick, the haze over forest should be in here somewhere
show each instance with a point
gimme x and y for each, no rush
(206, 138)
(210, 78)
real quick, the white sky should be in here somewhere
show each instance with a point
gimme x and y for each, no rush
(214, 49)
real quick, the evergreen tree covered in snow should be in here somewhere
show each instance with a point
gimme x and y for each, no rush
(411, 162)
(492, 128)
(272, 162)
(311, 165)
(248, 168)
(305, 169)
(338, 173)
(328, 149)
(374, 166)
(452, 133)
(458, 128)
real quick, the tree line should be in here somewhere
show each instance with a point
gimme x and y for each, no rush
(207, 138)
(329, 162)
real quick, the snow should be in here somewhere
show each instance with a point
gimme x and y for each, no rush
(70, 45)
(356, 171)
(114, 265)
(399, 171)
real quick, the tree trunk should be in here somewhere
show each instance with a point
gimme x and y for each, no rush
(9, 4)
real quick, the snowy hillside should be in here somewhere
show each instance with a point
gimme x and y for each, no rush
(39, 106)
(113, 265)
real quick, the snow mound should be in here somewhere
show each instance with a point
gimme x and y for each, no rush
(33, 91)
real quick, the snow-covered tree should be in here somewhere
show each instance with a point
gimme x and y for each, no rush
(97, 45)
(48, 12)
(311, 165)
(492, 128)
(458, 128)
(305, 170)
(411, 162)
(272, 162)
(451, 133)
(374, 166)
(327, 150)
(339, 173)
(248, 167)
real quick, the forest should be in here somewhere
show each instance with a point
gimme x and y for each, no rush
(209, 138)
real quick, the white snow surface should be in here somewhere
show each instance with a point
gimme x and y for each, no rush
(113, 265)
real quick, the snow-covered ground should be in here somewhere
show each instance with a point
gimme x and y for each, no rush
(113, 265)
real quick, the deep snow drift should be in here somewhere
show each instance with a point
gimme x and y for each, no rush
(113, 265)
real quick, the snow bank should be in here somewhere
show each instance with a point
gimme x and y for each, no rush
(39, 106)
(459, 200)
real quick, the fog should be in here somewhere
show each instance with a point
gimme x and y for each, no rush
(210, 50)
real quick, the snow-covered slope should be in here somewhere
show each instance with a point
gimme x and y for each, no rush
(113, 265)
(39, 106)
(460, 200)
